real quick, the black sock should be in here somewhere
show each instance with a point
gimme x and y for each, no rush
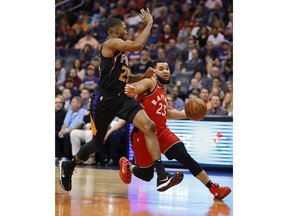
(208, 185)
(159, 168)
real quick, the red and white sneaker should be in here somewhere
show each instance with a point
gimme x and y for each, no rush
(219, 192)
(124, 173)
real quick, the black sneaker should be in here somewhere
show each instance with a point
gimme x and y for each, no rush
(169, 181)
(66, 172)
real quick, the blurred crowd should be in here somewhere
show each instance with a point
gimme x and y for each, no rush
(194, 36)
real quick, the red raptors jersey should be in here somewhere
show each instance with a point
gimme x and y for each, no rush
(155, 105)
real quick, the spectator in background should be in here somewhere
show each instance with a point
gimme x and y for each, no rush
(202, 36)
(172, 20)
(68, 84)
(224, 51)
(193, 87)
(172, 52)
(217, 22)
(229, 87)
(60, 73)
(139, 29)
(154, 38)
(161, 16)
(178, 102)
(80, 26)
(220, 11)
(88, 52)
(60, 113)
(185, 15)
(216, 91)
(120, 9)
(98, 12)
(195, 63)
(131, 34)
(76, 80)
(61, 31)
(204, 95)
(216, 108)
(228, 69)
(74, 119)
(211, 63)
(199, 16)
(67, 96)
(216, 37)
(228, 103)
(198, 75)
(85, 95)
(194, 94)
(228, 31)
(143, 64)
(82, 135)
(172, 10)
(187, 52)
(87, 39)
(170, 101)
(77, 66)
(185, 32)
(228, 9)
(90, 81)
(216, 82)
(161, 54)
(180, 43)
(208, 49)
(132, 18)
(215, 72)
(178, 67)
(211, 4)
(94, 13)
(114, 14)
(167, 35)
(99, 31)
(96, 63)
(71, 39)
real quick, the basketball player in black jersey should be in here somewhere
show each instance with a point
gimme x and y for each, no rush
(109, 100)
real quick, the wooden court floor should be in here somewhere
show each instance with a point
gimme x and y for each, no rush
(101, 192)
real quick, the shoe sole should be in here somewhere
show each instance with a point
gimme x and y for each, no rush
(172, 182)
(224, 195)
(120, 171)
(60, 181)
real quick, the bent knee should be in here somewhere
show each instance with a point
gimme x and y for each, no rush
(149, 127)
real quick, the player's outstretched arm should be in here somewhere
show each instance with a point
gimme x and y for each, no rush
(144, 85)
(175, 114)
(137, 77)
(139, 42)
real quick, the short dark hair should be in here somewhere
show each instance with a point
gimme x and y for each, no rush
(112, 22)
(154, 63)
(206, 89)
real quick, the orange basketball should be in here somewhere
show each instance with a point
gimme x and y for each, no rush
(195, 109)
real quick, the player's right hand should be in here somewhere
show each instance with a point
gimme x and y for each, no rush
(146, 16)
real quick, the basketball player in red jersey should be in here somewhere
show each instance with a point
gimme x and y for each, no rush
(109, 100)
(151, 94)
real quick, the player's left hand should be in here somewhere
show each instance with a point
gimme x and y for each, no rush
(130, 90)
